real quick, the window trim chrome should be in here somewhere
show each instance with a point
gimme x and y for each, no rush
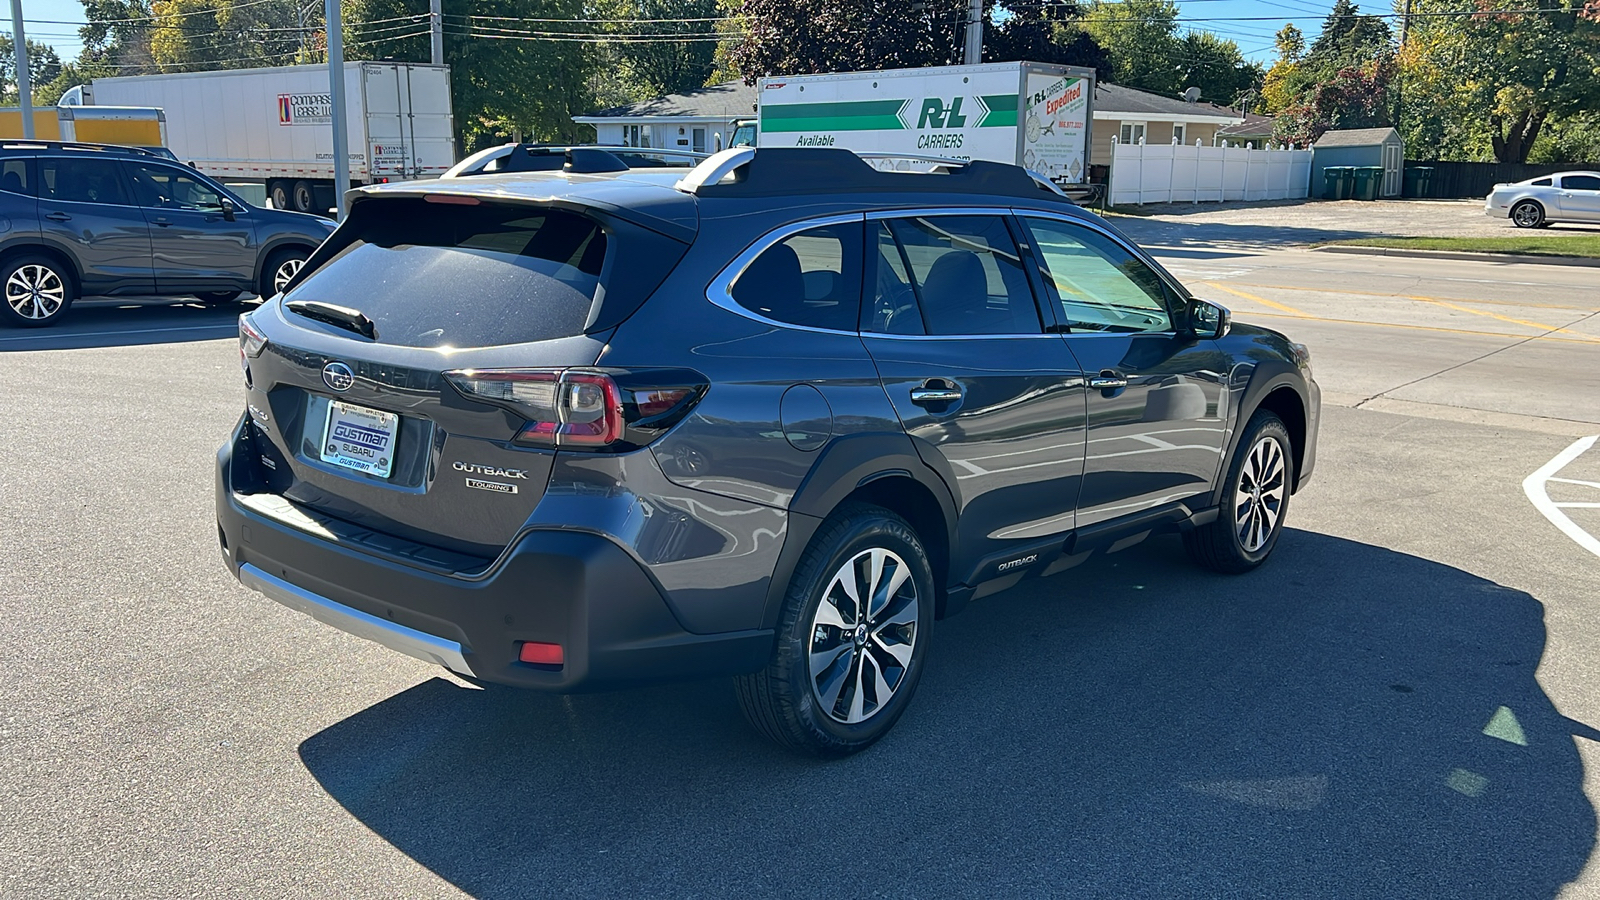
(720, 291)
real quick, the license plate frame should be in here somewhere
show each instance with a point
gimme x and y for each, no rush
(360, 438)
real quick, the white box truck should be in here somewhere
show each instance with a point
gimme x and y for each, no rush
(275, 126)
(1029, 114)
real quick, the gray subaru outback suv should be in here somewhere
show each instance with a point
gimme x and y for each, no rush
(569, 432)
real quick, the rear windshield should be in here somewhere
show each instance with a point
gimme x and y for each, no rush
(441, 275)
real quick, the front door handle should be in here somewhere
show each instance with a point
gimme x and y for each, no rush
(58, 217)
(1108, 380)
(935, 390)
(162, 221)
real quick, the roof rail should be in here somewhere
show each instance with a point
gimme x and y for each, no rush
(1042, 181)
(23, 144)
(774, 171)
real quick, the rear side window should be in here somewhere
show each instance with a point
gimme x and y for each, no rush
(14, 177)
(965, 273)
(1543, 182)
(812, 278)
(82, 180)
(442, 275)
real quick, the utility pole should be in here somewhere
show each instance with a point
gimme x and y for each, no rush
(436, 29)
(1399, 75)
(24, 82)
(974, 53)
(341, 130)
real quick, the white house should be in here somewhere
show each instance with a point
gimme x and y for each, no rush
(692, 120)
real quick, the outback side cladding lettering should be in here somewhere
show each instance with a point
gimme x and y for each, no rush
(602, 495)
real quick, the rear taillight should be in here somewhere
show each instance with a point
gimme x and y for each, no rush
(251, 342)
(609, 409)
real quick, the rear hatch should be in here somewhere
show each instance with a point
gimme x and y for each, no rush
(387, 386)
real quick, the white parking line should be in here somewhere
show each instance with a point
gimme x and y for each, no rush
(1534, 487)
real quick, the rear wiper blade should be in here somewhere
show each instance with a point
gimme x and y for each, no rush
(341, 316)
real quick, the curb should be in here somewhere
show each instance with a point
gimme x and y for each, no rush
(1460, 254)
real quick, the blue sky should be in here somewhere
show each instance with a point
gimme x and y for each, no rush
(1250, 23)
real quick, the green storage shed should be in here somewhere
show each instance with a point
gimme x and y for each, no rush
(1380, 147)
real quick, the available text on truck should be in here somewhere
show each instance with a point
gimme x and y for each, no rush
(1028, 114)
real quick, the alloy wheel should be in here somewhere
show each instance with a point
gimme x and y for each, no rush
(1258, 497)
(863, 634)
(1526, 215)
(285, 271)
(35, 292)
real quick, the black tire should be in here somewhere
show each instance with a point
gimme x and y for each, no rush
(270, 273)
(783, 701)
(1231, 544)
(279, 191)
(1527, 214)
(216, 298)
(54, 290)
(305, 197)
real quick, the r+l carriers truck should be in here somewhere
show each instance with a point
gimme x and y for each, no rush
(275, 126)
(1029, 114)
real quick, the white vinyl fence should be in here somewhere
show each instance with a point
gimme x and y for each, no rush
(1179, 173)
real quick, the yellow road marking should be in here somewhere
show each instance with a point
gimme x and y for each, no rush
(1261, 300)
(1480, 312)
(1321, 290)
(1494, 334)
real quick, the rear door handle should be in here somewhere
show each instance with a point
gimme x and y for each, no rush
(1108, 380)
(935, 390)
(162, 221)
(58, 217)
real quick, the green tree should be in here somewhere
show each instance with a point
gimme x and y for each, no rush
(1348, 39)
(204, 35)
(117, 36)
(1355, 97)
(509, 73)
(43, 67)
(1290, 42)
(1486, 84)
(636, 69)
(1217, 68)
(1141, 38)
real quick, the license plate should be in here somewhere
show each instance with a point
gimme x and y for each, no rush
(360, 438)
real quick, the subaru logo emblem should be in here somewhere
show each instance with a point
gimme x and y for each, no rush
(338, 376)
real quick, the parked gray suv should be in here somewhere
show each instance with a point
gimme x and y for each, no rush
(567, 431)
(98, 220)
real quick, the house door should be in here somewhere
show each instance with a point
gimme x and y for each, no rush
(699, 140)
(1392, 163)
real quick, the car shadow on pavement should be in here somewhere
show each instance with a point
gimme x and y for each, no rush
(1346, 721)
(123, 323)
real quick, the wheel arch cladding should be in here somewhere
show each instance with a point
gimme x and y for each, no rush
(264, 257)
(1285, 403)
(63, 258)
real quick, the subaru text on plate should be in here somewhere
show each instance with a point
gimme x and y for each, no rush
(568, 431)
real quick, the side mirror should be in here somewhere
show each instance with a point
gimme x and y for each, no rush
(227, 210)
(1209, 320)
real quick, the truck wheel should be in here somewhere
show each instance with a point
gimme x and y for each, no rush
(304, 198)
(852, 637)
(37, 291)
(279, 192)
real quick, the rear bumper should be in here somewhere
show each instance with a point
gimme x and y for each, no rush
(576, 589)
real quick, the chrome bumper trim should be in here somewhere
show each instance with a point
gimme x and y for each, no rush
(411, 642)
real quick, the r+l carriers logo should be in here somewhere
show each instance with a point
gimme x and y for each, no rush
(936, 114)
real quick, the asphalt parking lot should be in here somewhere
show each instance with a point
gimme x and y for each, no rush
(1402, 703)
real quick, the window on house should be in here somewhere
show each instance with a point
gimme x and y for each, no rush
(1132, 133)
(1180, 134)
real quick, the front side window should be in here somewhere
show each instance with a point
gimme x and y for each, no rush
(965, 275)
(811, 278)
(169, 188)
(1100, 285)
(72, 180)
(1580, 183)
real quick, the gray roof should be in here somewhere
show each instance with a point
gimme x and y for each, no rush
(1252, 126)
(1356, 137)
(729, 100)
(735, 99)
(1119, 99)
